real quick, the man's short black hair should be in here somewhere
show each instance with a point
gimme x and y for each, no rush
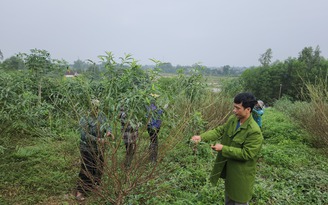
(246, 100)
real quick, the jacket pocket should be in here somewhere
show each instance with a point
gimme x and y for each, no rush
(238, 142)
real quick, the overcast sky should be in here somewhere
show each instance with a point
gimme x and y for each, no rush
(184, 32)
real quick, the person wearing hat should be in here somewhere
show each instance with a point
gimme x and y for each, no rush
(93, 129)
(257, 112)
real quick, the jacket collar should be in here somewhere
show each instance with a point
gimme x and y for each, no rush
(245, 124)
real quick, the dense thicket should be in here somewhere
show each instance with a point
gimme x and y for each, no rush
(40, 110)
(39, 104)
(40, 93)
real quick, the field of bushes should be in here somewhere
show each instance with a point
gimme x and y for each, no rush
(39, 142)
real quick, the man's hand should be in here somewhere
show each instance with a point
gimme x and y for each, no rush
(217, 147)
(101, 141)
(196, 139)
(110, 134)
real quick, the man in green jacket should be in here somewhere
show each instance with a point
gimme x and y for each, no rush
(241, 140)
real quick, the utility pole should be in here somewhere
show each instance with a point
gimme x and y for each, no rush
(280, 91)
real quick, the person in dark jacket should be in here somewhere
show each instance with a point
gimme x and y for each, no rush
(130, 136)
(153, 128)
(93, 129)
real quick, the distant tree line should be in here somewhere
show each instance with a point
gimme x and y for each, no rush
(214, 71)
(165, 67)
(16, 62)
(271, 81)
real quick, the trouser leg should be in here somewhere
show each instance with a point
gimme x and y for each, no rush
(86, 175)
(153, 147)
(229, 201)
(99, 169)
(130, 150)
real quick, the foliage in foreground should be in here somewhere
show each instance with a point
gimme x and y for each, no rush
(39, 118)
(40, 156)
(289, 170)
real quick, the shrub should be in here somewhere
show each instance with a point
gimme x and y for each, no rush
(311, 115)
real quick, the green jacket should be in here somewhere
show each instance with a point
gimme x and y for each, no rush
(236, 163)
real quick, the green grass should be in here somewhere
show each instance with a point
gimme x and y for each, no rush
(35, 169)
(290, 171)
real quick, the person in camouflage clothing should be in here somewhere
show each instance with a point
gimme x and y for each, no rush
(130, 135)
(93, 129)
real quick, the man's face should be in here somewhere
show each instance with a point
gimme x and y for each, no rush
(240, 111)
